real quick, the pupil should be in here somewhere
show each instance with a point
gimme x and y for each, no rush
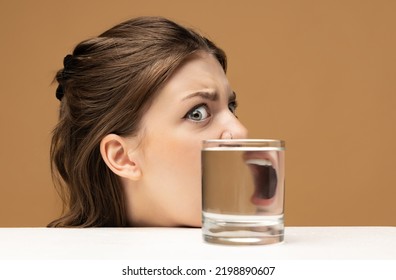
(196, 115)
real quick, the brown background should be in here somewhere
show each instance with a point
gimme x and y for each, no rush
(318, 74)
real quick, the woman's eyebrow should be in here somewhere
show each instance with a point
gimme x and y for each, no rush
(212, 96)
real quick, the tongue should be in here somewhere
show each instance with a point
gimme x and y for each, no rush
(265, 180)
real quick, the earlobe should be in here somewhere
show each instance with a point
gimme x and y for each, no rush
(114, 150)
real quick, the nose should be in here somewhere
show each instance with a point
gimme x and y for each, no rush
(233, 129)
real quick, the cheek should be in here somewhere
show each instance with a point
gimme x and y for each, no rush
(187, 160)
(175, 174)
(174, 160)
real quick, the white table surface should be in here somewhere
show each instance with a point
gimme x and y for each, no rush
(302, 243)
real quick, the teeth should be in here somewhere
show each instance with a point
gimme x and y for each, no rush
(262, 162)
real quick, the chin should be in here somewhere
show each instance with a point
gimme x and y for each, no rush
(193, 223)
(198, 223)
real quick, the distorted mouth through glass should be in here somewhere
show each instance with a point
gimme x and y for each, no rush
(263, 166)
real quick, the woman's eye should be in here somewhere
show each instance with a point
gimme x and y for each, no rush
(199, 113)
(232, 106)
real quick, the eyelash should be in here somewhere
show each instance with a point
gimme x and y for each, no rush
(234, 104)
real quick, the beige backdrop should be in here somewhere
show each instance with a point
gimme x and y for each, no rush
(318, 74)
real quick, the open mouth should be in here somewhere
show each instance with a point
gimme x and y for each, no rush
(265, 180)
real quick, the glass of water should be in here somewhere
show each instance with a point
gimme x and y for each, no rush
(243, 191)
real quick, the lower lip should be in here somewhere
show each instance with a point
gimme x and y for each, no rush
(256, 200)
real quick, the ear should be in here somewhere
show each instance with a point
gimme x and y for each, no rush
(114, 150)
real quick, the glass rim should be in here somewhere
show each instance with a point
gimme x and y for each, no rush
(249, 142)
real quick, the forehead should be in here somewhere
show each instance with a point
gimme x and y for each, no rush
(200, 71)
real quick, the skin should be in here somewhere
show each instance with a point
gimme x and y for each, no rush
(161, 167)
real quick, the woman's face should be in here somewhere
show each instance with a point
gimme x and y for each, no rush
(196, 103)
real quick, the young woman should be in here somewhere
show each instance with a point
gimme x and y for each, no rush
(135, 104)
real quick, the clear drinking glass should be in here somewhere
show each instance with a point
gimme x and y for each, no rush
(243, 191)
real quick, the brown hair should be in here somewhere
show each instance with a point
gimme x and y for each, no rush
(105, 87)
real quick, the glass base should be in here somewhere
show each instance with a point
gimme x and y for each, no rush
(242, 229)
